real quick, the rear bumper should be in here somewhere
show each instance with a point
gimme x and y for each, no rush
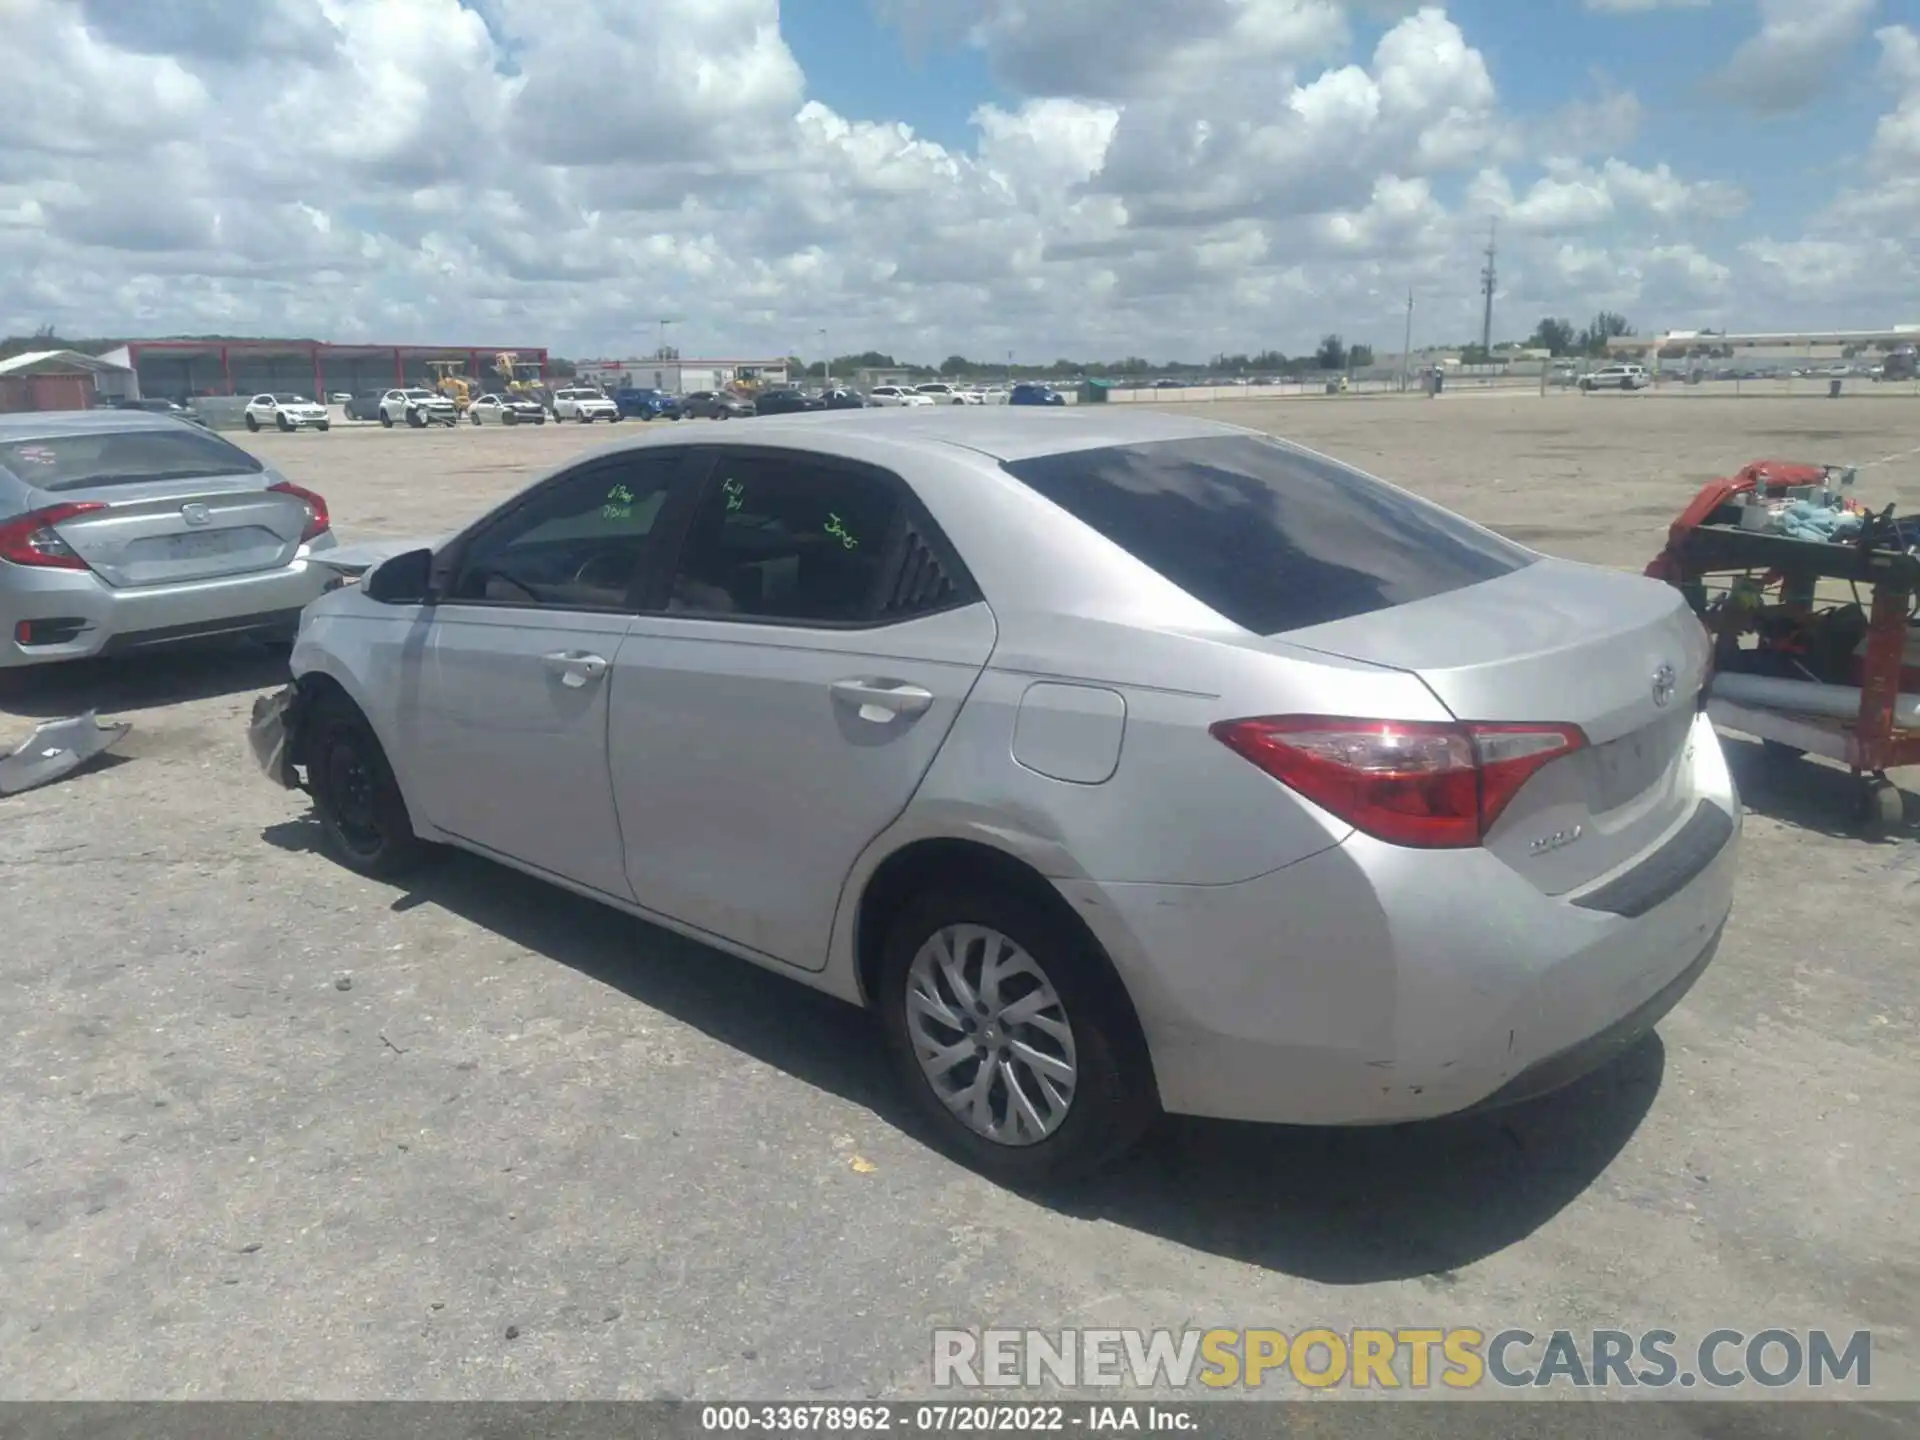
(101, 620)
(1372, 985)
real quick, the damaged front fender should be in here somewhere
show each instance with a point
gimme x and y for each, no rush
(274, 734)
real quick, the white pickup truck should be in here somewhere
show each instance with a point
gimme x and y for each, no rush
(579, 403)
(418, 407)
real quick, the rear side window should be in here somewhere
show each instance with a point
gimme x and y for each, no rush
(1269, 536)
(124, 457)
(787, 540)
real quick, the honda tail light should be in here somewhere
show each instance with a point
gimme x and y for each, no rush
(31, 539)
(317, 518)
(1434, 786)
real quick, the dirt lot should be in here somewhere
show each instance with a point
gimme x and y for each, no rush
(271, 1130)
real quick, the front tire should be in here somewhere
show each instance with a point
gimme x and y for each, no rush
(1011, 1039)
(285, 425)
(416, 419)
(323, 425)
(358, 801)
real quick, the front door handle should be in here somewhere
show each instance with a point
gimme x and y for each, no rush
(881, 700)
(575, 668)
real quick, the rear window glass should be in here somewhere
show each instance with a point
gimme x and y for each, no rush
(124, 457)
(1271, 537)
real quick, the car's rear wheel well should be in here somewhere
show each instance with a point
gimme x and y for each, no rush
(962, 864)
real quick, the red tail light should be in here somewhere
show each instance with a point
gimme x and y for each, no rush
(1427, 785)
(31, 540)
(317, 518)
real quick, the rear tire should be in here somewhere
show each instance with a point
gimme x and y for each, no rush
(1112, 1098)
(253, 424)
(355, 795)
(386, 419)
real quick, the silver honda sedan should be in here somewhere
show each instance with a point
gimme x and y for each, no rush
(121, 531)
(1120, 762)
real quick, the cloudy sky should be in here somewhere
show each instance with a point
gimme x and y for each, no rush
(1048, 177)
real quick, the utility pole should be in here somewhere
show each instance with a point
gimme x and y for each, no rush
(826, 361)
(1488, 277)
(1406, 346)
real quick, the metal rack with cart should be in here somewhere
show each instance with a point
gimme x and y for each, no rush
(1828, 677)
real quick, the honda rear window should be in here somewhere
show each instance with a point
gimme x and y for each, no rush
(1272, 537)
(124, 457)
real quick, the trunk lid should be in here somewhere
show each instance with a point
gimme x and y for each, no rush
(1559, 643)
(173, 531)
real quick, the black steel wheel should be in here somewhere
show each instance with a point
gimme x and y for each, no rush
(355, 795)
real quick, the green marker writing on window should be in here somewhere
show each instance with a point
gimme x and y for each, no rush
(838, 530)
(736, 493)
(619, 504)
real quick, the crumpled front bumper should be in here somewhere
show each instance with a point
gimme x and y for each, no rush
(273, 734)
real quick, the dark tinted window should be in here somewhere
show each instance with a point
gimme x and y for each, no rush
(1272, 538)
(578, 544)
(124, 457)
(790, 540)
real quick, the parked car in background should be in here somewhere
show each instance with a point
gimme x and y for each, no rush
(786, 402)
(994, 395)
(363, 405)
(157, 406)
(577, 402)
(418, 407)
(845, 397)
(339, 397)
(942, 393)
(496, 409)
(1616, 377)
(1287, 712)
(121, 531)
(1028, 392)
(897, 395)
(286, 412)
(640, 404)
(714, 405)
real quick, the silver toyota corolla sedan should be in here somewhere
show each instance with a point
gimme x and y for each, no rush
(121, 531)
(1119, 761)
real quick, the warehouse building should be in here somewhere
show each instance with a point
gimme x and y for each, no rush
(679, 377)
(182, 369)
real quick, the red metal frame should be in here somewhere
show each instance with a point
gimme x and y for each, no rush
(319, 351)
(1873, 745)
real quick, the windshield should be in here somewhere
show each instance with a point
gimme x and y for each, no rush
(124, 457)
(289, 399)
(418, 394)
(1272, 537)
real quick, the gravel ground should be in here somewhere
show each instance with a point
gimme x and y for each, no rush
(269, 1130)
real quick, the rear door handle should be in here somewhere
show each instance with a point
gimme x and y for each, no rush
(576, 668)
(881, 700)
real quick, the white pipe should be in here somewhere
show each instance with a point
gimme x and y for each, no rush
(1806, 697)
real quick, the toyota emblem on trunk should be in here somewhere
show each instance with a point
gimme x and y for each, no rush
(195, 514)
(1665, 679)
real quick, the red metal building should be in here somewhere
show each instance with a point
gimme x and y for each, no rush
(181, 369)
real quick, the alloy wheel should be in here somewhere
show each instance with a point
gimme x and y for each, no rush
(991, 1034)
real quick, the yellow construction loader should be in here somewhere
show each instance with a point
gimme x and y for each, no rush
(521, 380)
(449, 378)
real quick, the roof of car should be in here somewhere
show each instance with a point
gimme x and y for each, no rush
(50, 424)
(999, 432)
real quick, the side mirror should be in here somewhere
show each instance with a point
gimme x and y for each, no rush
(402, 580)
